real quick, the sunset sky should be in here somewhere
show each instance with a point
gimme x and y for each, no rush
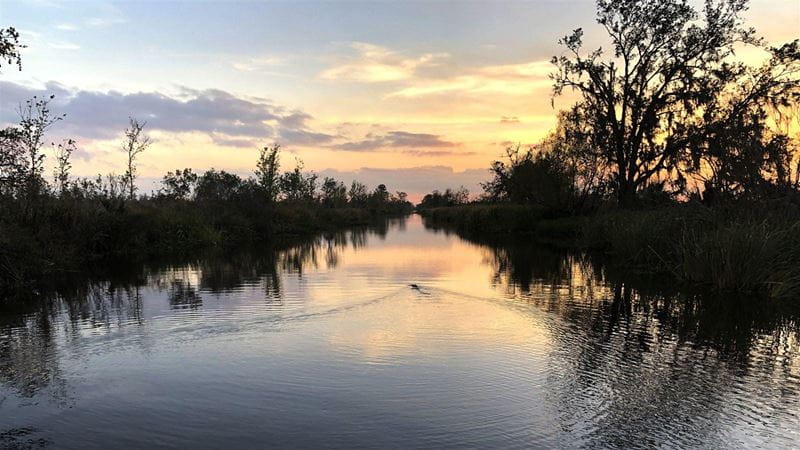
(418, 95)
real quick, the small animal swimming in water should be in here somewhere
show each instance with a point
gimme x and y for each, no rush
(417, 288)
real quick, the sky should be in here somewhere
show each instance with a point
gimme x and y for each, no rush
(416, 95)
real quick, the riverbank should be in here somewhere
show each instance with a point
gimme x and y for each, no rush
(752, 248)
(56, 238)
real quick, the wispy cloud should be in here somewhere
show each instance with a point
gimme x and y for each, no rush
(509, 79)
(63, 45)
(35, 40)
(259, 64)
(373, 63)
(395, 139)
(100, 22)
(67, 27)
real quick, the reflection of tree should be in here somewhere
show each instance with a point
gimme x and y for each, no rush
(31, 332)
(634, 358)
(645, 363)
(30, 341)
(29, 360)
(183, 295)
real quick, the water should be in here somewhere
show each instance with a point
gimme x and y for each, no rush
(326, 344)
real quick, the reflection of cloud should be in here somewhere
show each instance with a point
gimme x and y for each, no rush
(374, 63)
(225, 117)
(395, 139)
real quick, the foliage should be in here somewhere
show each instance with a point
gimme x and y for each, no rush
(63, 152)
(296, 186)
(10, 47)
(178, 185)
(267, 169)
(449, 197)
(656, 101)
(334, 193)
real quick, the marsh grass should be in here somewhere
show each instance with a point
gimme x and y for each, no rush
(751, 249)
(59, 236)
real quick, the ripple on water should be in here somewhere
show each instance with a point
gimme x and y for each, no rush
(308, 350)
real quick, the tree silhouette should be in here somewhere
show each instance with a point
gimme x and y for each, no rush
(644, 101)
(267, 171)
(10, 47)
(134, 144)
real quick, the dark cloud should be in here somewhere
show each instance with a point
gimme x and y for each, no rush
(303, 137)
(395, 139)
(228, 119)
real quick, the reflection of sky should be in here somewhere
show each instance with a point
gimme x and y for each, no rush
(349, 352)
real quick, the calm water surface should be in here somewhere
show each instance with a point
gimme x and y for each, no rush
(326, 344)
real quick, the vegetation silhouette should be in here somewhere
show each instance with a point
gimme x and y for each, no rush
(53, 230)
(677, 159)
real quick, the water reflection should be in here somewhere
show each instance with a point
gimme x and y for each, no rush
(512, 344)
(638, 360)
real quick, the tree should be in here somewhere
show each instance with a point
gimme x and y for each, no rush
(402, 197)
(63, 152)
(12, 164)
(358, 193)
(381, 194)
(449, 197)
(35, 119)
(736, 152)
(134, 144)
(267, 171)
(640, 102)
(334, 193)
(178, 185)
(297, 187)
(217, 186)
(531, 177)
(10, 47)
(12, 159)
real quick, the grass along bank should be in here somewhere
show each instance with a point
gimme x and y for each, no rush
(746, 248)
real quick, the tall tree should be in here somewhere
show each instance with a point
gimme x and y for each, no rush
(63, 152)
(641, 100)
(134, 144)
(35, 118)
(267, 171)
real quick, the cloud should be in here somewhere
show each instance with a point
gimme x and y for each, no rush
(416, 181)
(373, 63)
(63, 45)
(228, 119)
(67, 27)
(436, 153)
(509, 119)
(102, 22)
(395, 139)
(258, 64)
(508, 79)
(36, 40)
